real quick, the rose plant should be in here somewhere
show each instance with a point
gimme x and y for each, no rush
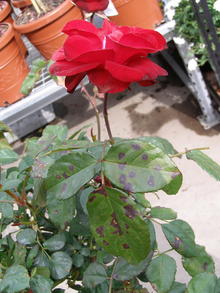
(80, 205)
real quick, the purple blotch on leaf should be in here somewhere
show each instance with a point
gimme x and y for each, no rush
(144, 157)
(132, 174)
(71, 167)
(100, 231)
(151, 181)
(114, 223)
(136, 147)
(122, 179)
(121, 156)
(64, 188)
(57, 176)
(125, 246)
(42, 141)
(178, 241)
(130, 212)
(128, 187)
(65, 175)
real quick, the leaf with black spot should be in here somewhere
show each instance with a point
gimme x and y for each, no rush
(139, 166)
(69, 173)
(41, 166)
(117, 225)
(181, 237)
(200, 263)
(42, 145)
(161, 272)
(60, 212)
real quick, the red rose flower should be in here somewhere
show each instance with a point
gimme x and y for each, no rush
(92, 5)
(111, 56)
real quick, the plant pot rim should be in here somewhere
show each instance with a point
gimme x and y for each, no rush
(4, 13)
(20, 3)
(44, 20)
(4, 40)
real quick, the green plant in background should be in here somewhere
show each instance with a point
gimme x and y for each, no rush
(187, 28)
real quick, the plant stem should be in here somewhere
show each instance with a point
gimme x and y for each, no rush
(111, 280)
(15, 197)
(171, 249)
(95, 108)
(103, 154)
(105, 113)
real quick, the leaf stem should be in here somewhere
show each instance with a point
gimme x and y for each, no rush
(83, 89)
(183, 153)
(171, 249)
(111, 280)
(105, 113)
(103, 154)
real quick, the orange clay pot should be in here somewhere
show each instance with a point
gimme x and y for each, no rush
(13, 68)
(5, 16)
(21, 3)
(141, 13)
(45, 33)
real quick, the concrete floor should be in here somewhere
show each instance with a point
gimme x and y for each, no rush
(168, 110)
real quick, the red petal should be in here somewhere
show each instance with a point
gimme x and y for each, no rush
(75, 46)
(78, 25)
(58, 55)
(71, 82)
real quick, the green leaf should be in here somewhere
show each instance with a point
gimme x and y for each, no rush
(76, 144)
(181, 237)
(41, 260)
(77, 229)
(202, 283)
(84, 195)
(8, 156)
(60, 130)
(60, 211)
(205, 162)
(7, 210)
(153, 240)
(29, 83)
(55, 243)
(4, 142)
(69, 173)
(60, 265)
(19, 254)
(138, 166)
(39, 284)
(32, 254)
(43, 271)
(217, 286)
(25, 163)
(178, 288)
(27, 236)
(39, 195)
(163, 213)
(124, 271)
(95, 274)
(200, 263)
(140, 198)
(15, 279)
(41, 145)
(161, 272)
(11, 183)
(117, 225)
(173, 186)
(4, 127)
(77, 132)
(78, 260)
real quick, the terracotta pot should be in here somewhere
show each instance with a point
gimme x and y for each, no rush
(45, 33)
(21, 3)
(5, 16)
(13, 68)
(141, 13)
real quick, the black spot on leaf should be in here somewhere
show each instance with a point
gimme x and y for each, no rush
(127, 226)
(130, 212)
(158, 168)
(105, 243)
(178, 241)
(121, 166)
(124, 198)
(205, 266)
(100, 231)
(64, 188)
(122, 179)
(173, 174)
(151, 181)
(65, 175)
(114, 223)
(64, 143)
(57, 176)
(102, 191)
(136, 147)
(128, 187)
(144, 157)
(92, 198)
(121, 156)
(56, 212)
(71, 167)
(42, 141)
(125, 246)
(132, 174)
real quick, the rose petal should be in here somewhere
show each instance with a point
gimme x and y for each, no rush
(97, 56)
(78, 25)
(58, 55)
(71, 82)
